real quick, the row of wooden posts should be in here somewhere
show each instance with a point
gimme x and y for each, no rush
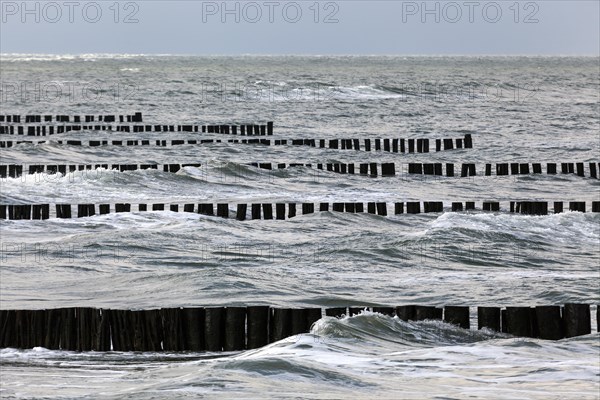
(39, 118)
(281, 211)
(372, 169)
(48, 130)
(389, 145)
(241, 328)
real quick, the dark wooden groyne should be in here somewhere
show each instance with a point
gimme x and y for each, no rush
(136, 142)
(282, 211)
(226, 129)
(43, 125)
(39, 118)
(18, 170)
(240, 328)
(389, 145)
(371, 169)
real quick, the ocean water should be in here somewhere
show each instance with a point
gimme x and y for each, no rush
(518, 109)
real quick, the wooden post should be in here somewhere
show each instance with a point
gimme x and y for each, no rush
(68, 337)
(371, 208)
(137, 330)
(52, 330)
(349, 207)
(468, 141)
(223, 210)
(308, 208)
(488, 317)
(192, 321)
(213, 328)
(291, 210)
(122, 207)
(101, 338)
(280, 324)
(298, 321)
(518, 321)
(448, 144)
(413, 207)
(22, 329)
(577, 319)
(425, 145)
(8, 336)
(84, 328)
(427, 312)
(398, 208)
(457, 206)
(205, 209)
(258, 326)
(172, 329)
(256, 211)
(457, 316)
(449, 169)
(388, 169)
(63, 211)
(153, 330)
(593, 173)
(267, 211)
(580, 169)
(38, 327)
(558, 207)
(235, 329)
(577, 206)
(373, 169)
(549, 322)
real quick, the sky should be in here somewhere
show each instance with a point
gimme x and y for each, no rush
(551, 27)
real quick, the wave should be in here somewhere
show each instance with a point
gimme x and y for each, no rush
(561, 227)
(378, 328)
(365, 350)
(26, 57)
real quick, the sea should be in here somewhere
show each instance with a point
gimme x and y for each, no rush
(517, 109)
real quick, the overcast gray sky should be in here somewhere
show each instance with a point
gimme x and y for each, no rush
(301, 27)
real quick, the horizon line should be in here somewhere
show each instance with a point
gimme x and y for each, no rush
(297, 55)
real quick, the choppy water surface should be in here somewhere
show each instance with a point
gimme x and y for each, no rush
(517, 109)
